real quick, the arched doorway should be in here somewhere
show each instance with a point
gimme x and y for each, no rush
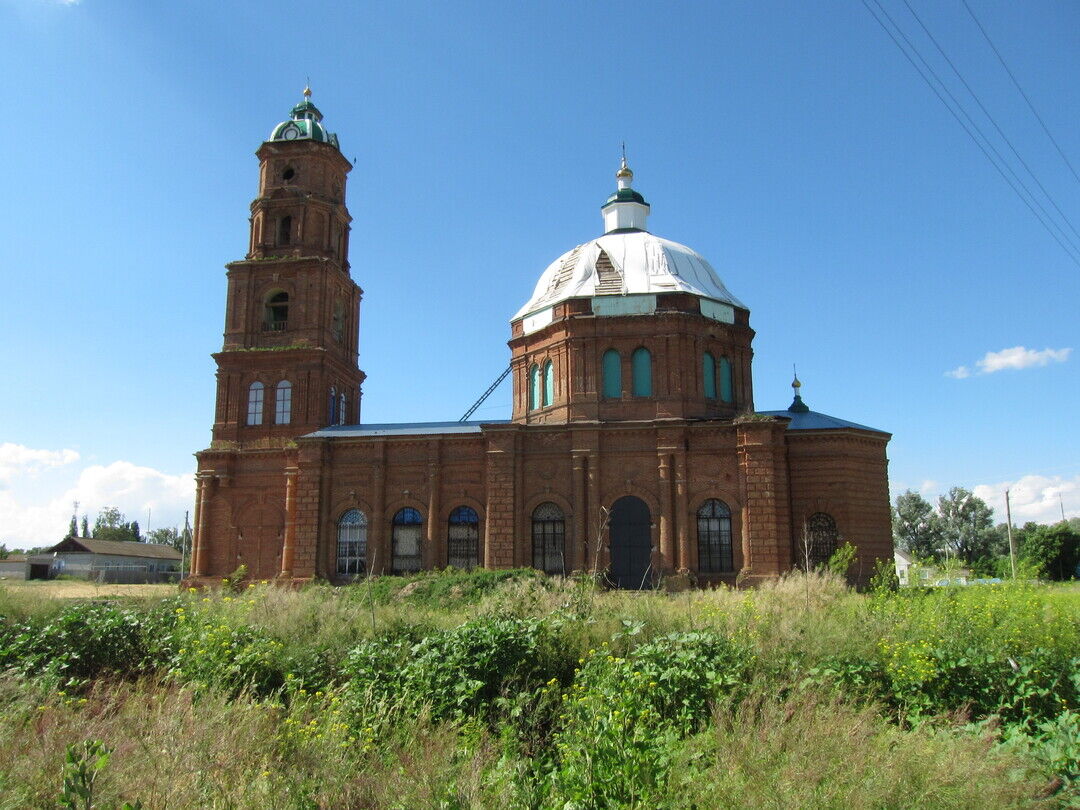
(631, 543)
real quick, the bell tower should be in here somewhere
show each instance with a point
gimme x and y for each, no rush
(288, 365)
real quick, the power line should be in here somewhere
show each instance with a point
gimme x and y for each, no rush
(986, 112)
(959, 120)
(1045, 218)
(1031, 106)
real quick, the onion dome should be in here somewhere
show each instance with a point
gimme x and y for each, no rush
(797, 405)
(624, 270)
(304, 124)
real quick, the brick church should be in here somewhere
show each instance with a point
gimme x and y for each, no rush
(633, 445)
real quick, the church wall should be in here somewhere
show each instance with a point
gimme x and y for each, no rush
(845, 475)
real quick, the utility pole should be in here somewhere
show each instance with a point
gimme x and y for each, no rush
(1061, 503)
(1012, 542)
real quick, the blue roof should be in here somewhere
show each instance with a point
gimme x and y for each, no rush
(812, 420)
(404, 429)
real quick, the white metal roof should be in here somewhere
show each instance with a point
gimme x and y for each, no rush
(642, 263)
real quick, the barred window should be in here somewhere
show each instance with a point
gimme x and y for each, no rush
(255, 404)
(276, 316)
(283, 403)
(406, 533)
(549, 539)
(819, 541)
(463, 539)
(352, 543)
(714, 538)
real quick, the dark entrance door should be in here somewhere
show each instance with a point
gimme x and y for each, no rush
(631, 543)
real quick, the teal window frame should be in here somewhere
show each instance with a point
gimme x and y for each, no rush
(611, 370)
(549, 383)
(641, 370)
(708, 371)
(727, 388)
(534, 387)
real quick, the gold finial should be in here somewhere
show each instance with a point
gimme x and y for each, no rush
(624, 170)
(795, 383)
(307, 91)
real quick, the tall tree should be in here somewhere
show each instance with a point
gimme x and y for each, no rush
(85, 526)
(916, 529)
(1053, 550)
(111, 524)
(966, 524)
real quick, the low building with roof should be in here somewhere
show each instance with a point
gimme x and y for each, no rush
(633, 445)
(108, 561)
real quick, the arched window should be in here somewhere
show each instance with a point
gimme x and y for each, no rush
(708, 372)
(612, 371)
(352, 543)
(463, 539)
(641, 366)
(284, 230)
(407, 529)
(819, 540)
(331, 415)
(283, 403)
(549, 383)
(277, 312)
(726, 387)
(714, 538)
(549, 539)
(342, 408)
(534, 387)
(255, 403)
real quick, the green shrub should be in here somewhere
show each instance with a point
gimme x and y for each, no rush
(453, 674)
(623, 715)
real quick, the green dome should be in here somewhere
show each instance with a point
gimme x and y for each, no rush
(304, 124)
(624, 195)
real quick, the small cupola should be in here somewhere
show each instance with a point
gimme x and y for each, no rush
(304, 124)
(797, 405)
(625, 210)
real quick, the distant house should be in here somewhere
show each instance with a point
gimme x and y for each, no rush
(904, 563)
(15, 566)
(108, 561)
(912, 572)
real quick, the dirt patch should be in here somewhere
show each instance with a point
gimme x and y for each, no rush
(74, 589)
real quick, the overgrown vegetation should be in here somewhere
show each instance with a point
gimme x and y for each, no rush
(509, 689)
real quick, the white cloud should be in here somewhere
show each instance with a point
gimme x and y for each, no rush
(1039, 498)
(36, 510)
(17, 460)
(1016, 358)
(1019, 357)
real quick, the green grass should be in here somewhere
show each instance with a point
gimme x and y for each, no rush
(510, 689)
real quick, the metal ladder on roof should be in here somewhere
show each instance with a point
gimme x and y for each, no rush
(485, 395)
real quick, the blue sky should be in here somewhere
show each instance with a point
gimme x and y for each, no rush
(790, 143)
